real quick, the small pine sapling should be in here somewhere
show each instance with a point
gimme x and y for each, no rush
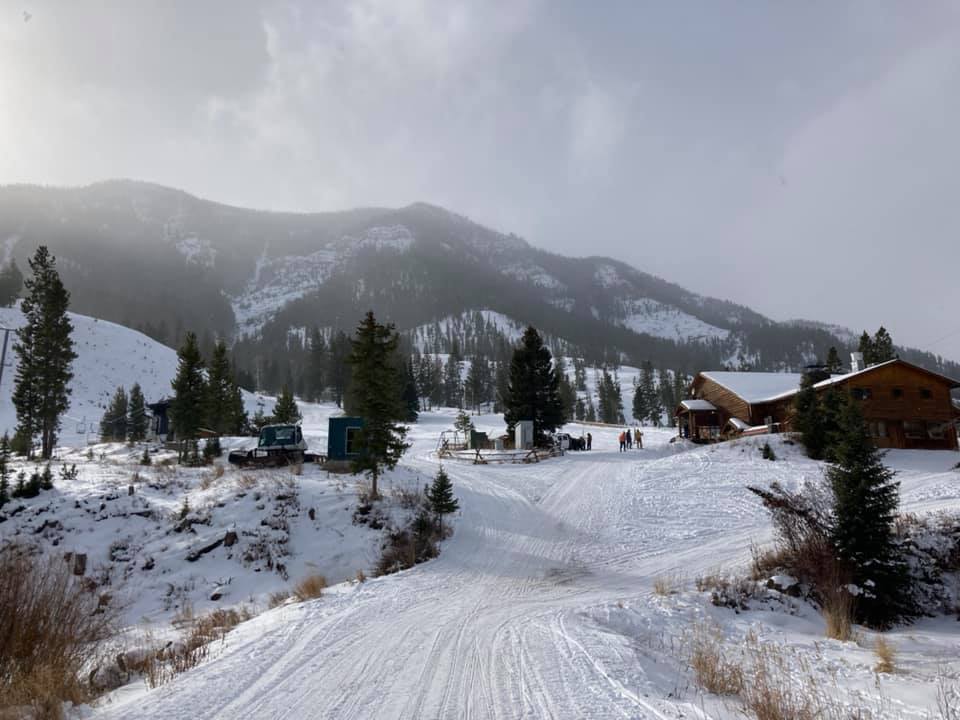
(145, 458)
(46, 479)
(20, 489)
(440, 497)
(68, 474)
(768, 453)
(184, 509)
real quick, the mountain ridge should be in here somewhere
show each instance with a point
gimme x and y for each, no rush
(163, 260)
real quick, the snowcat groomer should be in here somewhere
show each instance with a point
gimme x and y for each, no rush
(278, 445)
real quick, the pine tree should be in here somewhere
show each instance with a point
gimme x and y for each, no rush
(137, 414)
(832, 404)
(834, 366)
(474, 385)
(411, 399)
(339, 368)
(883, 346)
(808, 419)
(286, 411)
(11, 283)
(534, 388)
(377, 397)
(187, 408)
(441, 499)
(866, 349)
(866, 498)
(452, 387)
(463, 423)
(591, 414)
(45, 353)
(113, 426)
(580, 410)
(568, 394)
(316, 373)
(220, 404)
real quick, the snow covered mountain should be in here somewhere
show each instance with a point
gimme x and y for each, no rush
(161, 260)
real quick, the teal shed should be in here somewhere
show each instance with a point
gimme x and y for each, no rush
(343, 437)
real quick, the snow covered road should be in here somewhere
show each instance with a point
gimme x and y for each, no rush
(498, 626)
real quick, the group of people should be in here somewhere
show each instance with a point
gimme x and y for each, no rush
(629, 438)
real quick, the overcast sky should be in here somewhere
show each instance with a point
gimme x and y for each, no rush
(798, 157)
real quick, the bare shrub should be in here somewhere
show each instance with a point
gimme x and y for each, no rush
(667, 584)
(712, 669)
(405, 548)
(50, 629)
(247, 482)
(886, 655)
(278, 598)
(310, 587)
(361, 576)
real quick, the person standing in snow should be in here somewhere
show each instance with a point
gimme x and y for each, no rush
(629, 438)
(638, 437)
(589, 441)
(623, 442)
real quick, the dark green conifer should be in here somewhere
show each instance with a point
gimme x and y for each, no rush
(441, 499)
(533, 391)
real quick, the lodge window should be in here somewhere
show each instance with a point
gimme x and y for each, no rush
(936, 430)
(878, 429)
(925, 393)
(861, 393)
(914, 430)
(353, 441)
(897, 393)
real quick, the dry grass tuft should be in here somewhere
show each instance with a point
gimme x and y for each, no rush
(361, 576)
(886, 656)
(296, 469)
(770, 693)
(711, 668)
(247, 482)
(668, 584)
(837, 611)
(278, 598)
(310, 587)
(51, 630)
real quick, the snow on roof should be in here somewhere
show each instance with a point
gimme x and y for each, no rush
(739, 424)
(698, 405)
(756, 387)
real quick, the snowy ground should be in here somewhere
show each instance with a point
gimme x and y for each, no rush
(542, 604)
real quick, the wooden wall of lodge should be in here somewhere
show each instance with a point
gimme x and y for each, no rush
(882, 405)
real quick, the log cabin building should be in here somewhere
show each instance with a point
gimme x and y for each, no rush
(904, 405)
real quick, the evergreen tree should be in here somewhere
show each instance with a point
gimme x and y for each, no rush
(591, 414)
(832, 404)
(834, 366)
(475, 383)
(11, 283)
(286, 411)
(137, 414)
(568, 393)
(339, 366)
(534, 388)
(426, 381)
(113, 426)
(45, 353)
(441, 499)
(411, 399)
(808, 419)
(377, 397)
(866, 499)
(452, 387)
(187, 408)
(501, 386)
(866, 349)
(883, 346)
(580, 410)
(221, 393)
(438, 396)
(463, 423)
(316, 374)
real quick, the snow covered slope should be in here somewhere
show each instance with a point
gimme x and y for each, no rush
(542, 604)
(108, 355)
(668, 322)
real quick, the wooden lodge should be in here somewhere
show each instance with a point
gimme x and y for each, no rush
(905, 406)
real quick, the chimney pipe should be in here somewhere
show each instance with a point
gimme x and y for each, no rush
(856, 361)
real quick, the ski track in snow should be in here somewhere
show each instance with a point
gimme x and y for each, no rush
(500, 625)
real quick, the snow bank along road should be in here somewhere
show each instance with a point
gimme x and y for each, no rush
(499, 626)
